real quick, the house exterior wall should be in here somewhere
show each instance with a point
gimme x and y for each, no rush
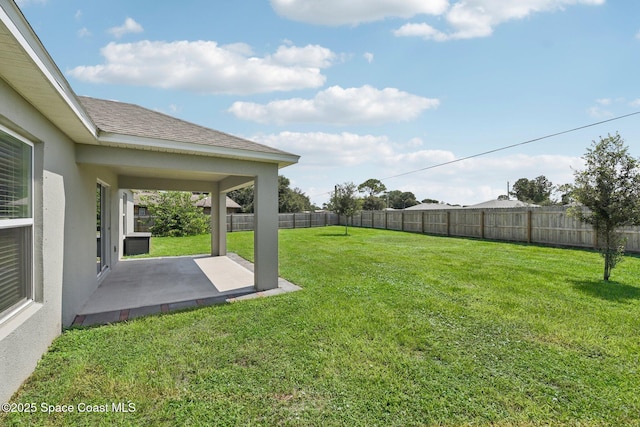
(64, 272)
(80, 278)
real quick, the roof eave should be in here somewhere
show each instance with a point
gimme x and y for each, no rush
(65, 111)
(282, 158)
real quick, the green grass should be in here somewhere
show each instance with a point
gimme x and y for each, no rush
(176, 246)
(390, 329)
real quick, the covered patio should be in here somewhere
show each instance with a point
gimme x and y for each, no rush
(139, 287)
(138, 148)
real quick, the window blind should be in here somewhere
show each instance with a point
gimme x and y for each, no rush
(15, 178)
(13, 265)
(16, 221)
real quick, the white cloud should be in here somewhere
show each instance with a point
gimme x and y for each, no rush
(327, 150)
(78, 15)
(335, 105)
(599, 113)
(313, 56)
(354, 12)
(333, 158)
(423, 30)
(84, 32)
(206, 67)
(477, 18)
(129, 26)
(368, 56)
(609, 107)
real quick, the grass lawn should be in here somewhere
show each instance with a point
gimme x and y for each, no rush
(391, 328)
(174, 246)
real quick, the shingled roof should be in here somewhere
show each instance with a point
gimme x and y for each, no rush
(133, 120)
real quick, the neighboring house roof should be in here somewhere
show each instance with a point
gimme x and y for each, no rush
(122, 118)
(431, 206)
(205, 202)
(503, 204)
(201, 202)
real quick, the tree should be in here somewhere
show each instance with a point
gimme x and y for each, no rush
(175, 214)
(372, 187)
(243, 197)
(400, 200)
(565, 192)
(430, 201)
(536, 190)
(344, 202)
(289, 200)
(609, 187)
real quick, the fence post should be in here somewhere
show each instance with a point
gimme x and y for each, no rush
(529, 213)
(448, 223)
(231, 222)
(402, 221)
(482, 224)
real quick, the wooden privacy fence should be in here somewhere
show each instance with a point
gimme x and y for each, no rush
(244, 222)
(550, 225)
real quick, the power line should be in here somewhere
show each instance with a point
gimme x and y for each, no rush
(510, 146)
(502, 148)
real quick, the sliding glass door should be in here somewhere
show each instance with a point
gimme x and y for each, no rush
(102, 228)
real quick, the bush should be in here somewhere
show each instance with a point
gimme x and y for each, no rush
(175, 214)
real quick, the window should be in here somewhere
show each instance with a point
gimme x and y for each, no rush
(16, 221)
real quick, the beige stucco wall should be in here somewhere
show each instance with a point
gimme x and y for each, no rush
(64, 252)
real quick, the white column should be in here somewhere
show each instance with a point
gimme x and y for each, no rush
(218, 222)
(265, 245)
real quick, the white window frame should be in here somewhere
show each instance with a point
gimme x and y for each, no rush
(22, 223)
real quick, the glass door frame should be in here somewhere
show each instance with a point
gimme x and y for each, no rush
(103, 228)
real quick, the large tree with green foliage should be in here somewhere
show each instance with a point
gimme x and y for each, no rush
(401, 199)
(289, 200)
(536, 190)
(345, 202)
(372, 188)
(609, 187)
(175, 214)
(243, 197)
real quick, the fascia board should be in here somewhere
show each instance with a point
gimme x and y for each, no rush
(22, 32)
(153, 144)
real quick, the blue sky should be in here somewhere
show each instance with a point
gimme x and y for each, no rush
(373, 89)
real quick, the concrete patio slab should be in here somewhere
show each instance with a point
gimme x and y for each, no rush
(142, 287)
(225, 274)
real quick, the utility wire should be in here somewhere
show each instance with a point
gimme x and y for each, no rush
(510, 146)
(503, 148)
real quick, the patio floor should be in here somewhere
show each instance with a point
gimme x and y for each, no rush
(138, 287)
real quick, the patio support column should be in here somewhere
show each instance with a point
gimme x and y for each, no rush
(265, 245)
(218, 222)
